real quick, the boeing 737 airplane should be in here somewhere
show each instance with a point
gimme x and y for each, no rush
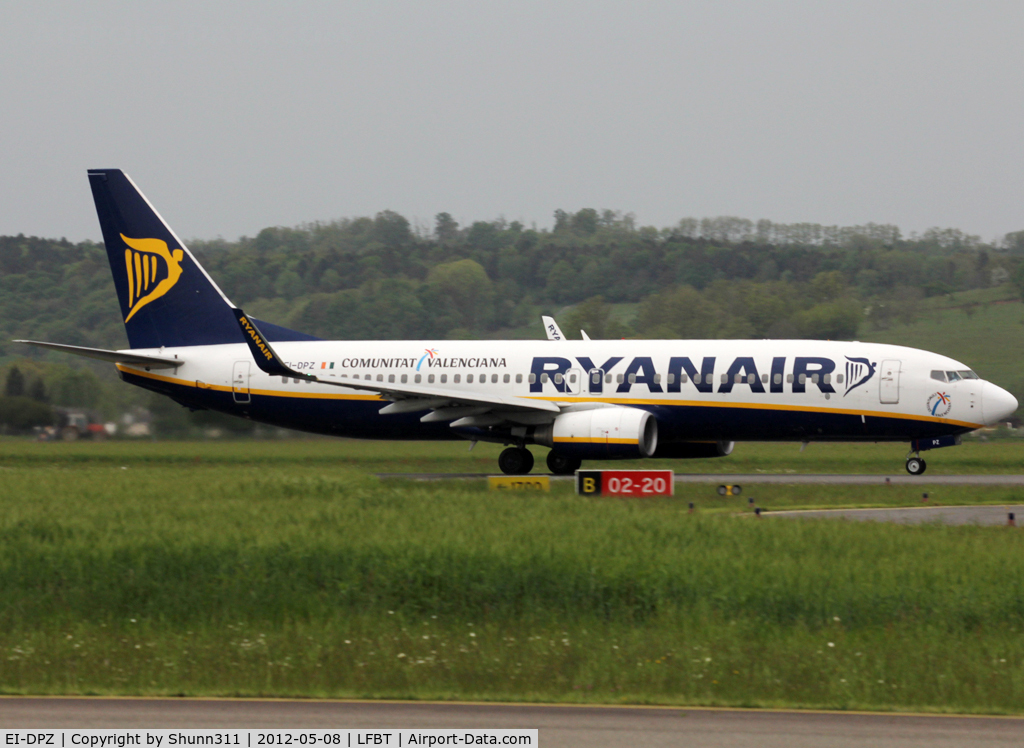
(585, 399)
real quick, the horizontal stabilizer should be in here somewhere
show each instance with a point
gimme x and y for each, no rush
(115, 357)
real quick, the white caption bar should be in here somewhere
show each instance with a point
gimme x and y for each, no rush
(260, 738)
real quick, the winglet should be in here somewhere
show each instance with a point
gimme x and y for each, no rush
(551, 328)
(266, 358)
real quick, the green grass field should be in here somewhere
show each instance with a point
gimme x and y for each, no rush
(286, 569)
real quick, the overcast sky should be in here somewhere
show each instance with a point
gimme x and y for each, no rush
(236, 116)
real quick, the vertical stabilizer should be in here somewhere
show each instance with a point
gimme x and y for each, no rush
(167, 299)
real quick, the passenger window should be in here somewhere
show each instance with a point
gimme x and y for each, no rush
(444, 379)
(532, 378)
(671, 378)
(419, 378)
(483, 377)
(405, 378)
(608, 379)
(595, 378)
(457, 378)
(682, 378)
(789, 378)
(354, 376)
(814, 378)
(519, 378)
(725, 378)
(839, 378)
(632, 378)
(309, 381)
(803, 379)
(380, 377)
(284, 380)
(826, 378)
(777, 378)
(469, 378)
(657, 378)
(696, 378)
(572, 378)
(739, 378)
(558, 378)
(764, 379)
(618, 379)
(544, 378)
(391, 378)
(430, 378)
(505, 379)
(751, 379)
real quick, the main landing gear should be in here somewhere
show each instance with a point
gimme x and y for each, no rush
(560, 464)
(515, 461)
(519, 461)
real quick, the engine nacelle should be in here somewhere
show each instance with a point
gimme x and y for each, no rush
(694, 450)
(601, 433)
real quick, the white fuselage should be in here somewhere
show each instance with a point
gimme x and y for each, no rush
(741, 387)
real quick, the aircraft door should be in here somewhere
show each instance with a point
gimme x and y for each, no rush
(595, 381)
(573, 381)
(240, 382)
(889, 382)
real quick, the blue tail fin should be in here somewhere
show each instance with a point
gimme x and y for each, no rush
(167, 299)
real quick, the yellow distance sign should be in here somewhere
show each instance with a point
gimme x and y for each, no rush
(519, 483)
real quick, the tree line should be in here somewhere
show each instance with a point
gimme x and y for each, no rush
(381, 277)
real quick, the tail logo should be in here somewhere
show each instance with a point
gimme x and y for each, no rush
(153, 270)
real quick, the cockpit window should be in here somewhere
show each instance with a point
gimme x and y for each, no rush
(953, 376)
(939, 375)
(968, 374)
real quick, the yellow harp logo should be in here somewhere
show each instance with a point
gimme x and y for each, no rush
(143, 262)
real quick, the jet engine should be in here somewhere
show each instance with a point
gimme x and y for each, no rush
(601, 433)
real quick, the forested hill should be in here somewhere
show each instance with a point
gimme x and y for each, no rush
(378, 278)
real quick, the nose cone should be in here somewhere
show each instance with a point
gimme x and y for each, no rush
(997, 404)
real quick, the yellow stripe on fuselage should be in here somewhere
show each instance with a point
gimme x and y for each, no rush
(593, 440)
(758, 406)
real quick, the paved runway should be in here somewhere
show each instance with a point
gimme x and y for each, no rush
(778, 478)
(592, 727)
(945, 515)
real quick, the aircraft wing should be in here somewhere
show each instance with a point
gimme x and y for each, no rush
(446, 404)
(116, 357)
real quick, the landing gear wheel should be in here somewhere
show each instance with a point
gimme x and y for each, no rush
(916, 466)
(560, 464)
(515, 461)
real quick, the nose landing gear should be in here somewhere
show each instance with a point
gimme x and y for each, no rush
(916, 465)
